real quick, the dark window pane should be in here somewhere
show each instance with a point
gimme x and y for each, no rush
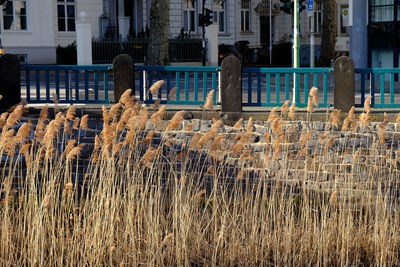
(61, 11)
(60, 0)
(20, 7)
(247, 20)
(242, 20)
(61, 25)
(71, 11)
(8, 8)
(70, 0)
(192, 22)
(8, 22)
(71, 25)
(185, 21)
(221, 22)
(23, 23)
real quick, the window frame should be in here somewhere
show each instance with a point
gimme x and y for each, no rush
(217, 13)
(318, 18)
(192, 24)
(374, 8)
(245, 12)
(65, 4)
(14, 17)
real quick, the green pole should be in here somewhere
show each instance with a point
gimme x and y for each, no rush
(296, 48)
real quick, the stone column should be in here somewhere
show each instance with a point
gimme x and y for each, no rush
(212, 44)
(359, 33)
(231, 85)
(344, 85)
(83, 40)
(123, 23)
(123, 75)
(10, 83)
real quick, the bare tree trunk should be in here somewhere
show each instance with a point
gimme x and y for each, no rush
(157, 51)
(328, 38)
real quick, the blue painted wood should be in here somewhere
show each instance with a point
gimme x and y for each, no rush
(186, 86)
(259, 88)
(372, 89)
(392, 88)
(86, 85)
(382, 85)
(67, 89)
(325, 89)
(37, 74)
(106, 99)
(28, 85)
(96, 85)
(287, 84)
(149, 83)
(168, 83)
(268, 87)
(77, 85)
(249, 89)
(214, 86)
(47, 85)
(277, 88)
(362, 88)
(178, 87)
(196, 86)
(204, 86)
(57, 84)
(306, 88)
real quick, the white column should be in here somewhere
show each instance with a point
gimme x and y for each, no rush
(212, 44)
(83, 40)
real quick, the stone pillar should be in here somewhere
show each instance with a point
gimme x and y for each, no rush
(83, 40)
(358, 33)
(231, 85)
(123, 75)
(344, 85)
(212, 44)
(10, 84)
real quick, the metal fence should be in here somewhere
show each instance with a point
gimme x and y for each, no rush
(67, 83)
(268, 87)
(180, 50)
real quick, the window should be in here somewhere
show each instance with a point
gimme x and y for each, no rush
(66, 15)
(219, 7)
(317, 18)
(189, 15)
(382, 10)
(245, 16)
(14, 15)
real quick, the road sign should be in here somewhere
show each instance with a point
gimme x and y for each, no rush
(310, 5)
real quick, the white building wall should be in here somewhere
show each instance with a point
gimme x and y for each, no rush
(93, 9)
(37, 42)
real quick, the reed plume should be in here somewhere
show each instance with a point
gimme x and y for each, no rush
(84, 122)
(314, 95)
(23, 132)
(149, 137)
(75, 152)
(250, 125)
(273, 114)
(106, 115)
(189, 127)
(158, 116)
(172, 93)
(334, 118)
(333, 198)
(323, 137)
(292, 111)
(70, 145)
(76, 123)
(176, 120)
(367, 104)
(148, 156)
(284, 108)
(125, 97)
(208, 105)
(238, 124)
(71, 112)
(194, 142)
(157, 103)
(277, 146)
(277, 126)
(3, 119)
(329, 143)
(156, 87)
(349, 121)
(310, 108)
(114, 111)
(15, 116)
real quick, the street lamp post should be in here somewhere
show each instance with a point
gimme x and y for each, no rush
(270, 32)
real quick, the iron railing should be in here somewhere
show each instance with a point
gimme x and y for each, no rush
(67, 83)
(180, 50)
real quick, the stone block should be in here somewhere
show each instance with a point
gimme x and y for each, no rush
(231, 85)
(123, 75)
(344, 84)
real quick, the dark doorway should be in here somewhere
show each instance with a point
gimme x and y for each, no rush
(264, 30)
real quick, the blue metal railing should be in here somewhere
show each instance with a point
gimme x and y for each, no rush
(272, 86)
(70, 84)
(192, 84)
(383, 85)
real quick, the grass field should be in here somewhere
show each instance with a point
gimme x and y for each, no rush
(141, 203)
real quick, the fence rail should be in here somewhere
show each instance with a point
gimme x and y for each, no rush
(275, 85)
(192, 84)
(383, 85)
(70, 84)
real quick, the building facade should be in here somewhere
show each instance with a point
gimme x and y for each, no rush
(32, 29)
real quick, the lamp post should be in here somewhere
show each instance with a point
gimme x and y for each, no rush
(270, 32)
(296, 47)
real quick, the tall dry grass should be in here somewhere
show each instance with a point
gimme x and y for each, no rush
(210, 201)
